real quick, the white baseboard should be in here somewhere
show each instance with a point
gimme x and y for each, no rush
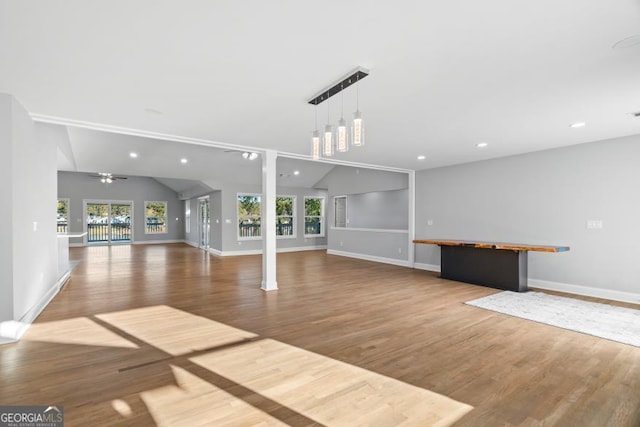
(215, 252)
(12, 330)
(259, 251)
(303, 248)
(586, 291)
(157, 242)
(609, 294)
(428, 267)
(400, 262)
(140, 242)
(237, 253)
(190, 243)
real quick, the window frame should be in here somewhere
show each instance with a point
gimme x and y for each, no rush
(346, 211)
(321, 216)
(68, 217)
(187, 216)
(238, 236)
(293, 217)
(166, 217)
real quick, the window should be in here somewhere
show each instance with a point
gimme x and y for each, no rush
(313, 216)
(248, 216)
(187, 216)
(340, 211)
(155, 217)
(63, 215)
(285, 216)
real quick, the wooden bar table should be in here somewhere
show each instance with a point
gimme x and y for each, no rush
(496, 265)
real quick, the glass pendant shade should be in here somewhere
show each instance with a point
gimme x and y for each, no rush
(342, 136)
(357, 130)
(328, 141)
(315, 145)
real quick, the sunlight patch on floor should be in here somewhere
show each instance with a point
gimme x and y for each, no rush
(174, 331)
(196, 402)
(329, 391)
(79, 331)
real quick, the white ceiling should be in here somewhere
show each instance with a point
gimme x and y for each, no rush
(444, 75)
(97, 151)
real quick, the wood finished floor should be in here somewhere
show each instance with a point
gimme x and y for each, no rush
(405, 324)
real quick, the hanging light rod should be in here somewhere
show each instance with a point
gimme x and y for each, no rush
(355, 76)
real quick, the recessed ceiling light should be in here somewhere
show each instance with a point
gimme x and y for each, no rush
(296, 172)
(481, 144)
(249, 155)
(578, 125)
(133, 155)
(421, 157)
(183, 160)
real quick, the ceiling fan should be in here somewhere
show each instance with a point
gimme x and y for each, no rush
(107, 178)
(247, 155)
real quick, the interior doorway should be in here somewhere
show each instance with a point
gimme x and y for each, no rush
(204, 222)
(108, 222)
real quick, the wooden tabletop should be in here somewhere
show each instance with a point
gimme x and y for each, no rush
(494, 245)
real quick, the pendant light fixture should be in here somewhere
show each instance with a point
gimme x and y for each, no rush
(315, 139)
(357, 130)
(328, 136)
(342, 141)
(331, 143)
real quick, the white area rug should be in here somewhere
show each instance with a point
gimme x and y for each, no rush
(600, 320)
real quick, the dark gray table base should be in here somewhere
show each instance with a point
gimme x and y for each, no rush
(495, 268)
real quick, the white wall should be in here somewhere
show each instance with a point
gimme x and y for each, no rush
(30, 277)
(35, 242)
(343, 180)
(545, 198)
(79, 186)
(6, 214)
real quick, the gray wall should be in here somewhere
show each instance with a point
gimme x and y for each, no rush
(379, 209)
(224, 234)
(380, 200)
(79, 186)
(29, 266)
(215, 239)
(544, 198)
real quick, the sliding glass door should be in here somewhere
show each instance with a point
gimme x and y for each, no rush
(108, 222)
(120, 222)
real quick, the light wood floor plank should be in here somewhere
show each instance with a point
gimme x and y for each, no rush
(404, 324)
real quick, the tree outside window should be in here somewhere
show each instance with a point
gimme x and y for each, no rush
(285, 216)
(313, 216)
(249, 216)
(63, 215)
(155, 217)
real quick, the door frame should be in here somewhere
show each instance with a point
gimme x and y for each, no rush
(201, 233)
(108, 202)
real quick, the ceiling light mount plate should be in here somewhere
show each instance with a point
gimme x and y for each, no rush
(353, 77)
(627, 43)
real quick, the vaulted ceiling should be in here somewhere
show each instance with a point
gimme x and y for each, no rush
(444, 76)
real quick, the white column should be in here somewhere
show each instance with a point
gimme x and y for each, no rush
(268, 207)
(412, 218)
